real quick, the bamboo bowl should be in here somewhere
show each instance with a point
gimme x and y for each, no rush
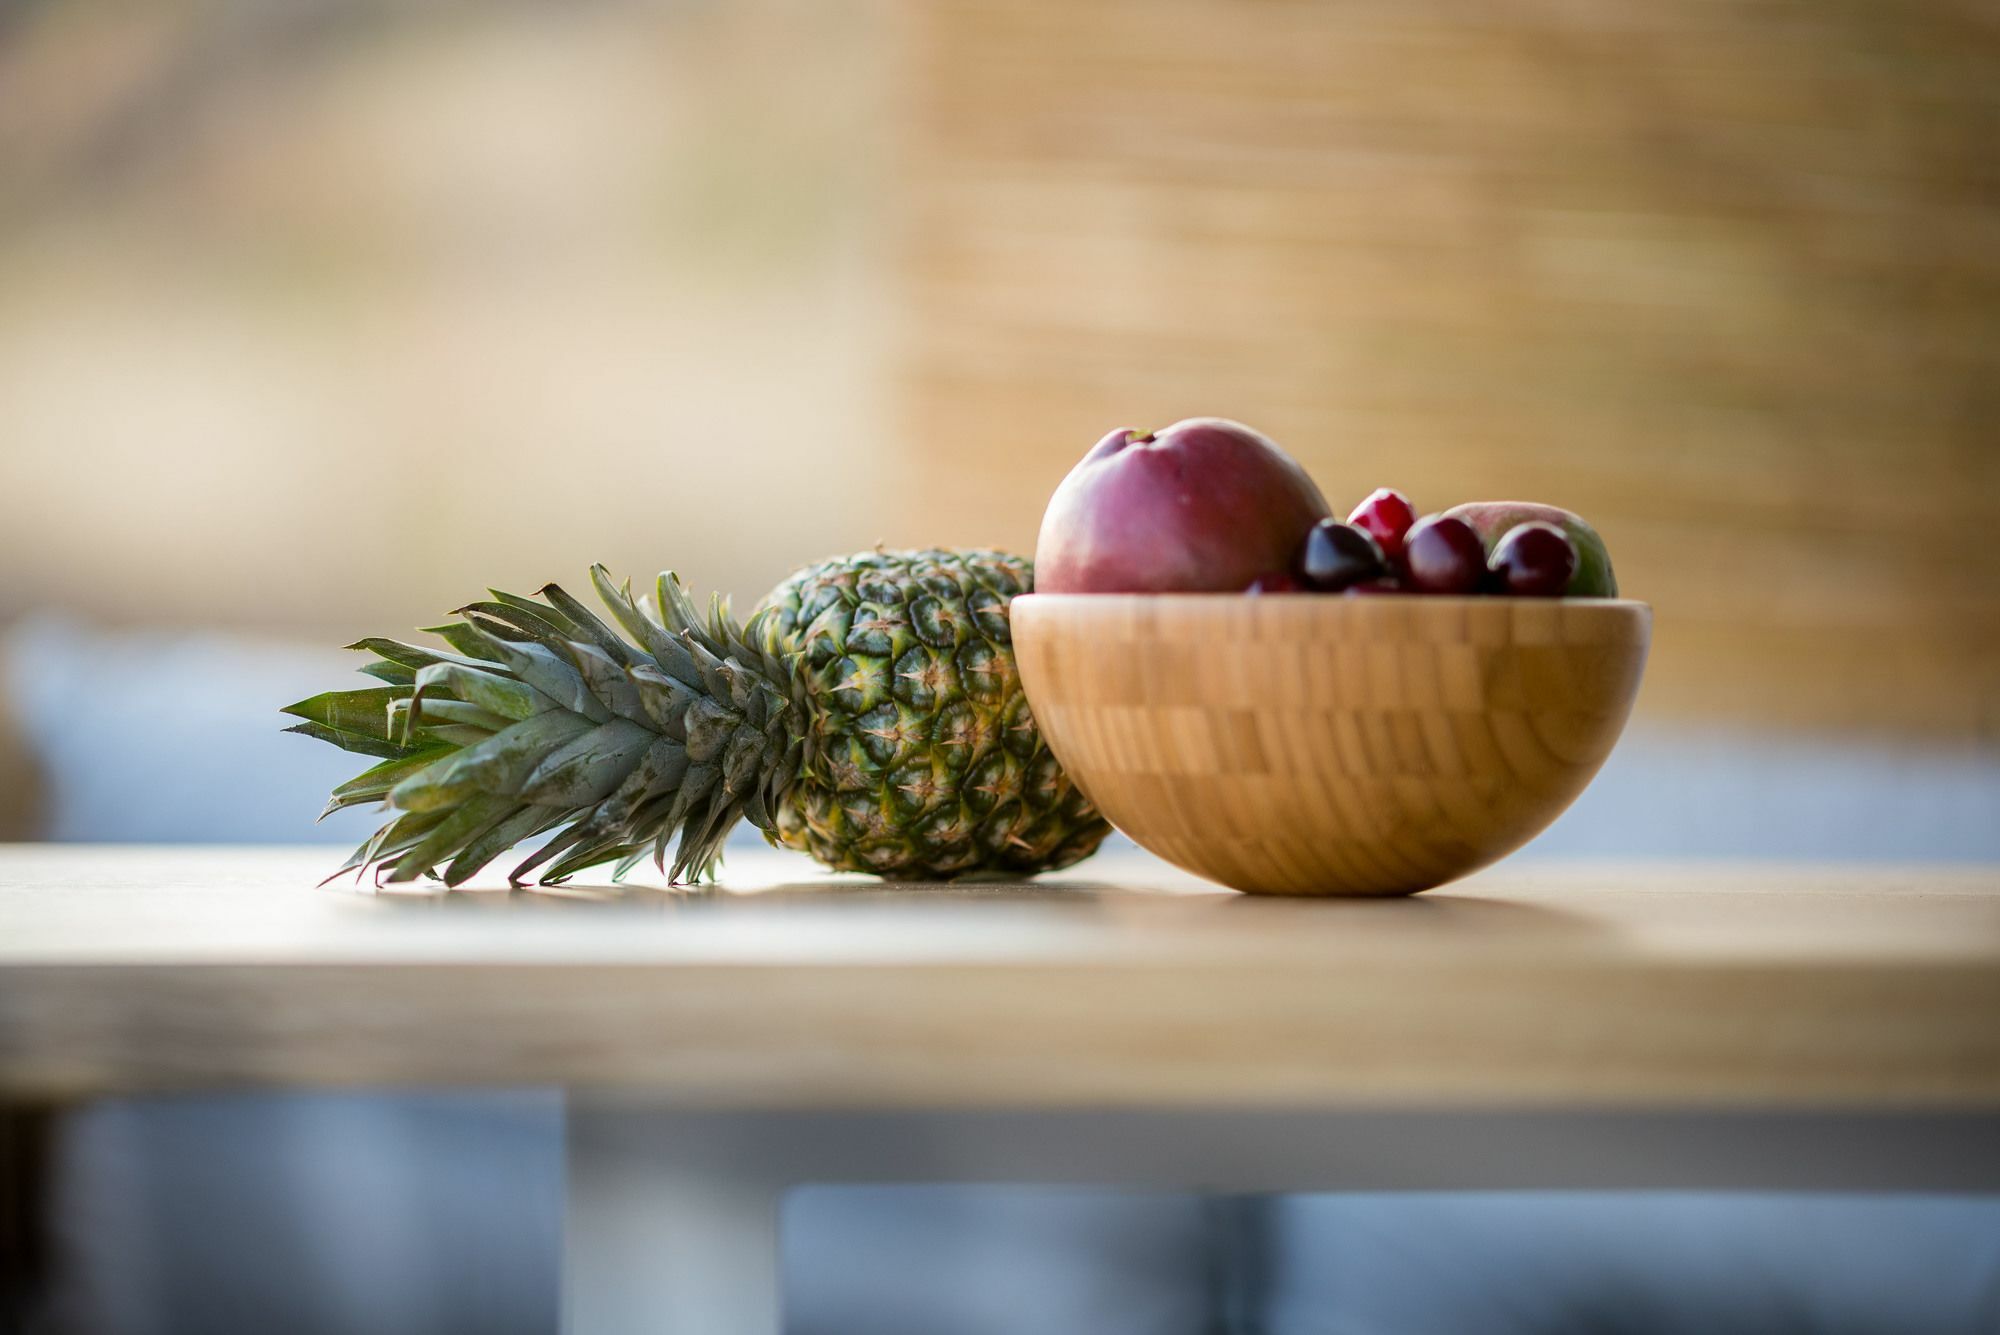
(1321, 745)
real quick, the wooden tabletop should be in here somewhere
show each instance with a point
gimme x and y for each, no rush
(1123, 983)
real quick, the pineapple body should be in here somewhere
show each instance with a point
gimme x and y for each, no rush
(921, 759)
(868, 713)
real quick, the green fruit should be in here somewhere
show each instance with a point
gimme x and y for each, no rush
(1491, 520)
(868, 713)
(921, 758)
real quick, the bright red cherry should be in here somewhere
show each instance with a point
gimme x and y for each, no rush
(1385, 516)
(1444, 555)
(1534, 560)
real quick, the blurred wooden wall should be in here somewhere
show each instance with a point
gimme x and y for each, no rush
(1724, 277)
(320, 318)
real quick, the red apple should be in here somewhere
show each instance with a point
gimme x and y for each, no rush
(1205, 505)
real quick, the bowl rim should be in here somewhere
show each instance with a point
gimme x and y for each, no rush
(1324, 601)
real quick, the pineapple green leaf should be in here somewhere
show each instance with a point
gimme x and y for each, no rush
(394, 837)
(563, 840)
(677, 611)
(664, 649)
(596, 852)
(475, 644)
(378, 780)
(713, 679)
(358, 743)
(365, 712)
(550, 675)
(482, 849)
(467, 821)
(701, 846)
(486, 687)
(709, 726)
(608, 681)
(655, 777)
(628, 862)
(666, 700)
(757, 811)
(743, 693)
(499, 764)
(589, 628)
(373, 785)
(695, 785)
(393, 673)
(409, 717)
(539, 611)
(720, 623)
(412, 656)
(533, 625)
(458, 734)
(588, 769)
(742, 760)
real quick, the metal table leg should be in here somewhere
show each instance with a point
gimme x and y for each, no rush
(674, 1216)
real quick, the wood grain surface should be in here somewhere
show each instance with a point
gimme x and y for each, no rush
(1724, 278)
(1123, 983)
(1331, 746)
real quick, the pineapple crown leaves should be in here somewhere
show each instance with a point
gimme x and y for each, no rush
(539, 718)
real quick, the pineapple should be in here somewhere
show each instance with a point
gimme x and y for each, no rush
(867, 713)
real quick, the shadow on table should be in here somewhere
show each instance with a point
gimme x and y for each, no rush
(1439, 905)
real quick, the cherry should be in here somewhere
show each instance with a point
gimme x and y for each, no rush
(1275, 581)
(1385, 516)
(1443, 555)
(1534, 560)
(1336, 555)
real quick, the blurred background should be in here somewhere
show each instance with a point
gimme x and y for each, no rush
(319, 316)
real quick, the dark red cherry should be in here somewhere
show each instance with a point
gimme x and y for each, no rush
(1534, 560)
(1276, 581)
(1336, 555)
(1442, 554)
(1385, 516)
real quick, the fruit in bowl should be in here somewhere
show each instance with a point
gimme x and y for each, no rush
(1203, 505)
(1534, 560)
(1494, 520)
(1443, 555)
(1386, 516)
(1208, 505)
(1309, 744)
(1330, 745)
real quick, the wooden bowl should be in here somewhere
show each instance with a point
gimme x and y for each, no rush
(1300, 744)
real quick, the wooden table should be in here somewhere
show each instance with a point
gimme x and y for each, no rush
(1537, 1025)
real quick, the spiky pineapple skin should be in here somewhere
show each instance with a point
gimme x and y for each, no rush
(921, 758)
